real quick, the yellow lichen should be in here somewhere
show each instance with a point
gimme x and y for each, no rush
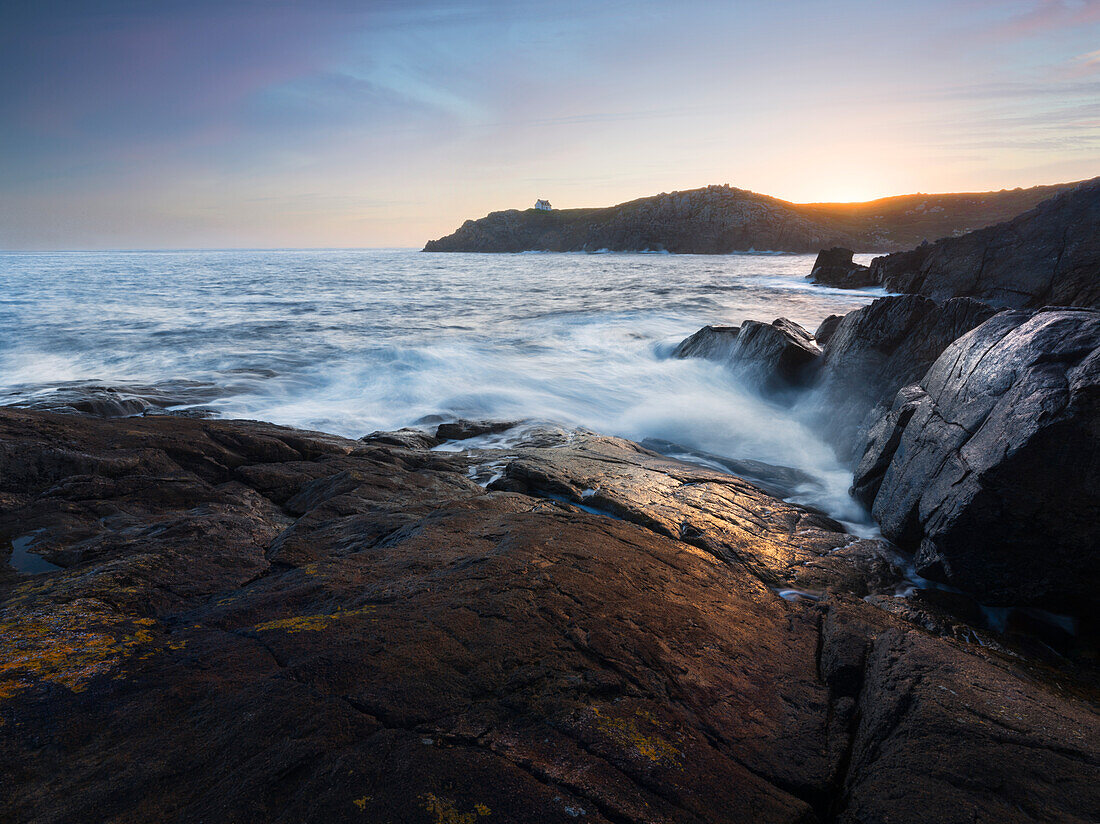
(446, 812)
(66, 643)
(626, 733)
(310, 623)
(361, 803)
(300, 623)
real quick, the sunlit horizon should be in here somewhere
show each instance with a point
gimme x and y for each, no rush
(376, 124)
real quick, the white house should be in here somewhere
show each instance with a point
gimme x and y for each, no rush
(543, 206)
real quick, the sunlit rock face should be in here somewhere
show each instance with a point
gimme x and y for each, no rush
(990, 466)
(259, 623)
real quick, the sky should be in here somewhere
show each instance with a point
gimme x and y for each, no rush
(273, 124)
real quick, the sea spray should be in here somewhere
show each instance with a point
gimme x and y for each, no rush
(360, 340)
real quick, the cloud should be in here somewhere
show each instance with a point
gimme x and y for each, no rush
(1084, 65)
(1047, 15)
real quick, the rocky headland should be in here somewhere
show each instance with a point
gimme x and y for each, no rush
(1047, 256)
(723, 219)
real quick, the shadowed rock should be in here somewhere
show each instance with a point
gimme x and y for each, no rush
(1049, 255)
(711, 342)
(463, 429)
(124, 400)
(409, 438)
(876, 350)
(990, 467)
(777, 356)
(835, 267)
(827, 328)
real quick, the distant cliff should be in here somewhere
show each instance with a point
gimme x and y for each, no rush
(722, 219)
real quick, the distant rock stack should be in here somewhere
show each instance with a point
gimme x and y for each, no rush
(835, 267)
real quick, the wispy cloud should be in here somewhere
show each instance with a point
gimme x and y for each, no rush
(1084, 65)
(1047, 15)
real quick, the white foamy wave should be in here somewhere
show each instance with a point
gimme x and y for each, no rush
(354, 341)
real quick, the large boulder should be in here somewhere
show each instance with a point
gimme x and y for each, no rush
(989, 469)
(876, 350)
(1049, 255)
(776, 356)
(835, 267)
(710, 342)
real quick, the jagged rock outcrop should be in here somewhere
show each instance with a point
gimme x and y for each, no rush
(876, 350)
(855, 364)
(1049, 255)
(722, 219)
(255, 623)
(990, 468)
(835, 267)
(776, 356)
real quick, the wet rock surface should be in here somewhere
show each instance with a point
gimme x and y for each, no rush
(255, 623)
(855, 363)
(989, 468)
(775, 356)
(710, 342)
(876, 350)
(462, 429)
(177, 397)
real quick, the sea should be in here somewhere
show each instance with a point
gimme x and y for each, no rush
(352, 341)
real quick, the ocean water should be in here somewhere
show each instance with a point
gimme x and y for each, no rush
(351, 341)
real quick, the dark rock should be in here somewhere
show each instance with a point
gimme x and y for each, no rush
(408, 438)
(827, 328)
(781, 348)
(462, 429)
(777, 355)
(990, 468)
(882, 442)
(122, 400)
(96, 401)
(1049, 255)
(259, 624)
(710, 342)
(835, 267)
(901, 709)
(878, 349)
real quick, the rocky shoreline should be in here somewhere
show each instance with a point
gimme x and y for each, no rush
(1047, 256)
(218, 620)
(972, 432)
(254, 623)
